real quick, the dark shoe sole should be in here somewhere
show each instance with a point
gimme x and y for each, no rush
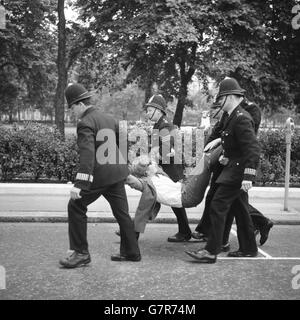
(243, 255)
(81, 264)
(201, 259)
(178, 240)
(122, 258)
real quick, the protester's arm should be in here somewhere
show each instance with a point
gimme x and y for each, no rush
(134, 182)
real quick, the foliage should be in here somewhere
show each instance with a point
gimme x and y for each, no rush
(26, 54)
(37, 152)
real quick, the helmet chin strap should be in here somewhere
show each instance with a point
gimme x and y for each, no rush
(222, 106)
(153, 113)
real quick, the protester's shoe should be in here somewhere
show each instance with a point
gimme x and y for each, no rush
(264, 232)
(240, 254)
(137, 234)
(203, 256)
(225, 247)
(75, 260)
(179, 237)
(119, 257)
(199, 236)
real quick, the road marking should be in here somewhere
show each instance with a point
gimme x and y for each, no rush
(266, 256)
(259, 250)
(259, 258)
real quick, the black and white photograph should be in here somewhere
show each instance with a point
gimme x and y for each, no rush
(150, 153)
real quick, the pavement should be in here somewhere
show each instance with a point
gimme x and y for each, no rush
(38, 202)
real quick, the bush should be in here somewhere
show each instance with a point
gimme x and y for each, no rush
(37, 152)
(273, 157)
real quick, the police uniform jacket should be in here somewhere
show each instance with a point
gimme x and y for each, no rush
(163, 128)
(254, 110)
(99, 166)
(240, 146)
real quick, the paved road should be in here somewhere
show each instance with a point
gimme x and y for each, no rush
(30, 252)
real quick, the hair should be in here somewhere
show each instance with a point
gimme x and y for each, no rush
(140, 166)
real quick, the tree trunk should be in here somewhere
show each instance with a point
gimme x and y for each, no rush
(59, 101)
(185, 78)
(180, 104)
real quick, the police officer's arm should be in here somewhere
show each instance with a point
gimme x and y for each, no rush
(86, 145)
(249, 145)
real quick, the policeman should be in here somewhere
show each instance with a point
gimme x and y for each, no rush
(97, 176)
(163, 134)
(240, 159)
(261, 223)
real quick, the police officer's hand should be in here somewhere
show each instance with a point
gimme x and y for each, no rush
(171, 154)
(212, 144)
(246, 185)
(223, 160)
(75, 193)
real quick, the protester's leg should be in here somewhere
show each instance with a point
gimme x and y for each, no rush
(258, 219)
(261, 223)
(194, 187)
(116, 196)
(77, 219)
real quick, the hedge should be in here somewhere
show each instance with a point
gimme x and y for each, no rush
(36, 152)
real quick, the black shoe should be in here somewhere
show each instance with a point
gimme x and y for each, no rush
(225, 247)
(117, 232)
(240, 254)
(199, 236)
(264, 232)
(75, 260)
(119, 257)
(202, 256)
(179, 237)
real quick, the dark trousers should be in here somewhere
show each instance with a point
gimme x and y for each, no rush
(204, 224)
(258, 219)
(182, 220)
(225, 198)
(116, 196)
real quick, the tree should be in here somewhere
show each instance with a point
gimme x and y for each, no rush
(59, 101)
(156, 40)
(26, 48)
